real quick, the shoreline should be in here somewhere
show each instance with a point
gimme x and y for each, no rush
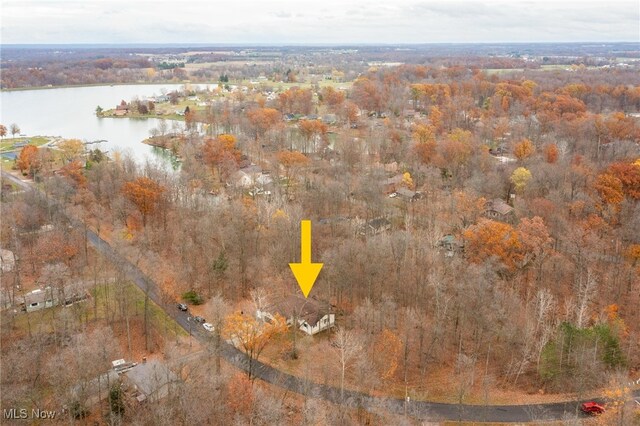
(71, 86)
(172, 117)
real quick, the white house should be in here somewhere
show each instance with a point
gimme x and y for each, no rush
(49, 297)
(40, 299)
(312, 315)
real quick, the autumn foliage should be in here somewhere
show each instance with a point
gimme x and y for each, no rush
(609, 187)
(551, 153)
(75, 172)
(221, 151)
(290, 159)
(490, 238)
(524, 149)
(28, 160)
(251, 334)
(241, 395)
(262, 120)
(425, 142)
(513, 247)
(145, 194)
(387, 351)
(629, 176)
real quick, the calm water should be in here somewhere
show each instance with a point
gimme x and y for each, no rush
(70, 113)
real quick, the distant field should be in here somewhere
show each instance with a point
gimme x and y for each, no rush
(492, 71)
(552, 67)
(321, 83)
(198, 66)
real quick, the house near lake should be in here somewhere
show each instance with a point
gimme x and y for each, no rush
(250, 176)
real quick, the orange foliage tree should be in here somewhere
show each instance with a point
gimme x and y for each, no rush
(435, 118)
(425, 142)
(220, 151)
(71, 149)
(551, 153)
(291, 161)
(629, 176)
(609, 188)
(369, 94)
(262, 120)
(145, 194)
(524, 149)
(252, 335)
(489, 238)
(456, 149)
(332, 97)
(74, 171)
(312, 128)
(296, 100)
(29, 160)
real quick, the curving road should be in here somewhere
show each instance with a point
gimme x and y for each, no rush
(423, 410)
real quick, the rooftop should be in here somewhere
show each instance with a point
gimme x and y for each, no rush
(151, 377)
(309, 309)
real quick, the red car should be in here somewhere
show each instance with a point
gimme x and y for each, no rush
(592, 408)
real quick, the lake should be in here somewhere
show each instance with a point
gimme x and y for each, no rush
(70, 113)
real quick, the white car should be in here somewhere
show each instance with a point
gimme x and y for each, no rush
(207, 326)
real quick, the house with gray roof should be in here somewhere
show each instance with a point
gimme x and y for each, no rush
(151, 380)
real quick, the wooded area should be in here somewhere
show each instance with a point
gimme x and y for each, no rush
(479, 233)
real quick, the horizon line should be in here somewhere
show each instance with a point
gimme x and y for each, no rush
(313, 44)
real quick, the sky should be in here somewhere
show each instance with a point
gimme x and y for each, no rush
(318, 21)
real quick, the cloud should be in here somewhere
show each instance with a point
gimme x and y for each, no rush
(328, 21)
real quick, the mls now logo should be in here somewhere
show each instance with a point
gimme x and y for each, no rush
(23, 413)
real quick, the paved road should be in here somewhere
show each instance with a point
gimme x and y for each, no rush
(431, 411)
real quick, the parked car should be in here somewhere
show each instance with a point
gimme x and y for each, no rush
(182, 307)
(207, 326)
(592, 408)
(199, 320)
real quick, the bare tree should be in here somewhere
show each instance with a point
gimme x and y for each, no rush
(586, 287)
(347, 346)
(217, 310)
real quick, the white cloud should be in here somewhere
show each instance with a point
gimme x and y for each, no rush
(326, 21)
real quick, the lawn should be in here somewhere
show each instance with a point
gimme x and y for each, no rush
(103, 305)
(7, 144)
(106, 301)
(6, 164)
